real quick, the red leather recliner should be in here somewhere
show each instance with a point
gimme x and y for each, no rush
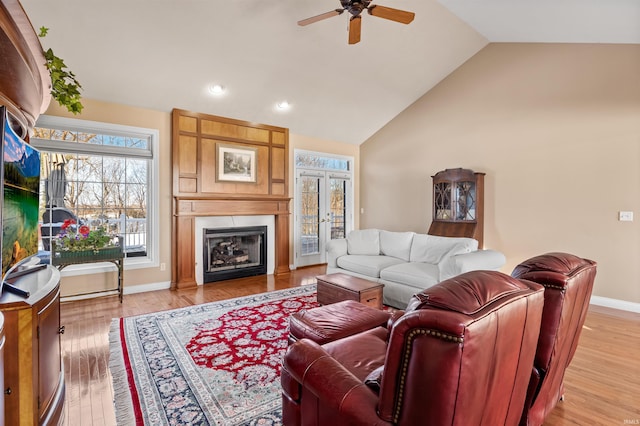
(568, 282)
(461, 354)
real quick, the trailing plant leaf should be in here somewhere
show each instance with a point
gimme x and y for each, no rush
(65, 89)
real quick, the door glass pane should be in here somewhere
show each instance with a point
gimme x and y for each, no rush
(338, 188)
(310, 215)
(466, 201)
(442, 201)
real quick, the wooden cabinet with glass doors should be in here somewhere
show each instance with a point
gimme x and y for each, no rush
(458, 204)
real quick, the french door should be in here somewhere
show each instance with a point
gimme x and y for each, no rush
(323, 212)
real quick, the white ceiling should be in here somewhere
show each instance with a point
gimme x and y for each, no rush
(163, 54)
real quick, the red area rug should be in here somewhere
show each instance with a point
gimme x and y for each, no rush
(211, 364)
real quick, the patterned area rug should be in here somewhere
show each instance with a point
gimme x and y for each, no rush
(211, 364)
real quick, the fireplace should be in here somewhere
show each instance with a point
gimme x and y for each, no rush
(234, 252)
(194, 216)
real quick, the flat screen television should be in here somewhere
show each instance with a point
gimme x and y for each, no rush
(20, 182)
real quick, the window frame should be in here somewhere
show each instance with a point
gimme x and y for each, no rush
(151, 260)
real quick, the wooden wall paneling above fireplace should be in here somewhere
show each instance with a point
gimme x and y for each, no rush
(197, 190)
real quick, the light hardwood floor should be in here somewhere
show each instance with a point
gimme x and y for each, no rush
(602, 385)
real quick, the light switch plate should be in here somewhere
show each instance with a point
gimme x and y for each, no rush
(625, 216)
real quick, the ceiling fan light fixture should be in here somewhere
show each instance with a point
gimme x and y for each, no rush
(355, 8)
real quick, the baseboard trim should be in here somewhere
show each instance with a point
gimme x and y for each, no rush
(615, 304)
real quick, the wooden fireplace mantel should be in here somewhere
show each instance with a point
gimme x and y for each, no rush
(230, 206)
(187, 209)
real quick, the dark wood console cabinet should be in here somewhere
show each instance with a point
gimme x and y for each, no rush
(458, 204)
(33, 372)
(33, 386)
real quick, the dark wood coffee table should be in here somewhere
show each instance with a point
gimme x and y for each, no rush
(337, 287)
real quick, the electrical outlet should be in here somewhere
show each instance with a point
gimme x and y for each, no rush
(625, 216)
(163, 266)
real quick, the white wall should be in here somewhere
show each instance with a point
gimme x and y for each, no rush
(556, 129)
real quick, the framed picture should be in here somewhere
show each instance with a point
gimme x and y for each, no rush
(236, 164)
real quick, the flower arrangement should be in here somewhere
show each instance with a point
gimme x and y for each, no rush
(81, 238)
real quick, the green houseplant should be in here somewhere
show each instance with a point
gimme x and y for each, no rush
(65, 88)
(80, 244)
(74, 238)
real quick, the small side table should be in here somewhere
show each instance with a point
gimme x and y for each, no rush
(113, 255)
(337, 287)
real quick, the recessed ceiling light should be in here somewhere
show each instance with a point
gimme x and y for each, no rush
(283, 105)
(216, 89)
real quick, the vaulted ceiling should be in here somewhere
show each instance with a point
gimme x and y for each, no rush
(164, 54)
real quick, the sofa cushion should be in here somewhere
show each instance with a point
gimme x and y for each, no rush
(415, 274)
(432, 249)
(467, 245)
(396, 244)
(367, 265)
(364, 241)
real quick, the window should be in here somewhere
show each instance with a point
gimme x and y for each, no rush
(315, 160)
(104, 174)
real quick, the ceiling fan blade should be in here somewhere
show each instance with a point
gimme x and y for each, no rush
(320, 17)
(354, 29)
(397, 15)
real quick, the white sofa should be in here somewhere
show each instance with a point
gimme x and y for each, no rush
(407, 262)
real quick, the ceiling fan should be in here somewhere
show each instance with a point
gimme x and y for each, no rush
(355, 8)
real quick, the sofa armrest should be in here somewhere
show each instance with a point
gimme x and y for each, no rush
(490, 260)
(395, 316)
(335, 249)
(336, 389)
(532, 391)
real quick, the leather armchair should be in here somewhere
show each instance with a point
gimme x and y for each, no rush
(462, 353)
(568, 282)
